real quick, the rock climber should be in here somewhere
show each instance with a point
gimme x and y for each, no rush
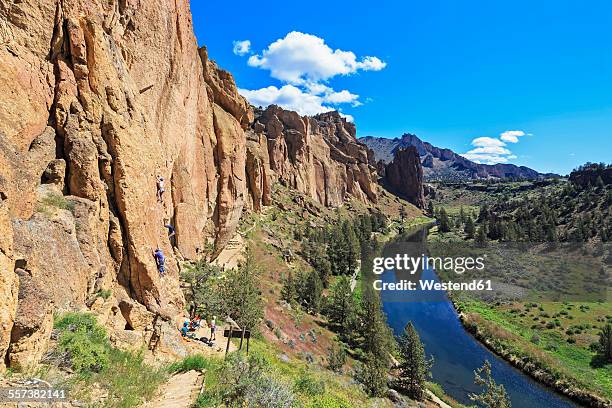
(160, 188)
(185, 329)
(160, 260)
(171, 234)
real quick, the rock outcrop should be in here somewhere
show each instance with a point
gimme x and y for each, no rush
(99, 99)
(444, 164)
(318, 156)
(404, 176)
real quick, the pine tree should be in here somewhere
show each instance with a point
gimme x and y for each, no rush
(469, 228)
(353, 247)
(372, 373)
(481, 237)
(241, 295)
(493, 395)
(605, 343)
(203, 294)
(445, 225)
(289, 290)
(311, 291)
(414, 368)
(336, 357)
(342, 303)
(377, 337)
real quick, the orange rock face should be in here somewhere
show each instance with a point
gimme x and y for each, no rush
(99, 98)
(318, 156)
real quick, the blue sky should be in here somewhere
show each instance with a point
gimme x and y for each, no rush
(456, 73)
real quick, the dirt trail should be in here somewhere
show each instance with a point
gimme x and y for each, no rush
(180, 391)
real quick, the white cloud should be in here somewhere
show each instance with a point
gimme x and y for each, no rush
(487, 142)
(298, 58)
(304, 64)
(491, 150)
(511, 136)
(242, 47)
(288, 97)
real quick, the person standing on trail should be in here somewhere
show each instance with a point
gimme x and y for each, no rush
(213, 328)
(160, 189)
(160, 260)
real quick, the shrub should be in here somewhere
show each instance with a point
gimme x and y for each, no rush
(306, 384)
(249, 381)
(194, 362)
(82, 342)
(55, 200)
(336, 358)
(328, 401)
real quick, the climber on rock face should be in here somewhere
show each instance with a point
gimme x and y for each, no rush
(160, 260)
(171, 234)
(160, 188)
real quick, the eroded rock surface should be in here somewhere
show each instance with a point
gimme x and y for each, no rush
(404, 176)
(99, 99)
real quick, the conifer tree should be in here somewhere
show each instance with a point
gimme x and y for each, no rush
(414, 367)
(605, 343)
(469, 228)
(481, 237)
(342, 303)
(372, 373)
(445, 225)
(493, 395)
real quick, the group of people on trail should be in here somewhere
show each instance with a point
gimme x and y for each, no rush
(158, 254)
(196, 323)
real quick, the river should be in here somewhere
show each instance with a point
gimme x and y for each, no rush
(456, 352)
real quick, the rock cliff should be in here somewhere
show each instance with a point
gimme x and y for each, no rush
(318, 156)
(404, 176)
(99, 99)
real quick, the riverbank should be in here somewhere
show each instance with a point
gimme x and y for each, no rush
(530, 365)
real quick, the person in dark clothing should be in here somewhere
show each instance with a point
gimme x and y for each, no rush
(160, 260)
(171, 234)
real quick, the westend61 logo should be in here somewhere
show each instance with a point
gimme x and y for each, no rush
(409, 264)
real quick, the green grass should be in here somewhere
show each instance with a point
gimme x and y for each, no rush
(54, 200)
(311, 385)
(437, 390)
(552, 350)
(123, 376)
(194, 362)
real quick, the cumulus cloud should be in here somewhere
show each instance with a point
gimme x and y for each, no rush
(293, 98)
(298, 58)
(289, 97)
(304, 64)
(491, 150)
(242, 47)
(487, 142)
(511, 136)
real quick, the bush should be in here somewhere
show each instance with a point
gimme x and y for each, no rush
(194, 362)
(250, 381)
(307, 385)
(55, 200)
(82, 343)
(336, 358)
(328, 401)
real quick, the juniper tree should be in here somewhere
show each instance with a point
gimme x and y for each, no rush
(240, 293)
(414, 366)
(493, 395)
(605, 343)
(469, 227)
(481, 236)
(445, 225)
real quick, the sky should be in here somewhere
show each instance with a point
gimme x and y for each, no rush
(522, 82)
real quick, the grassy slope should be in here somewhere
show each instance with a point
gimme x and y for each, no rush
(525, 330)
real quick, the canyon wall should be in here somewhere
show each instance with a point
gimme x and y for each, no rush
(99, 99)
(404, 176)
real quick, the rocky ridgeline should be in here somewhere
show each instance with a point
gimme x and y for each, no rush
(404, 176)
(98, 99)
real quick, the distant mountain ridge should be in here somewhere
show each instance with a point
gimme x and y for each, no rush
(444, 164)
